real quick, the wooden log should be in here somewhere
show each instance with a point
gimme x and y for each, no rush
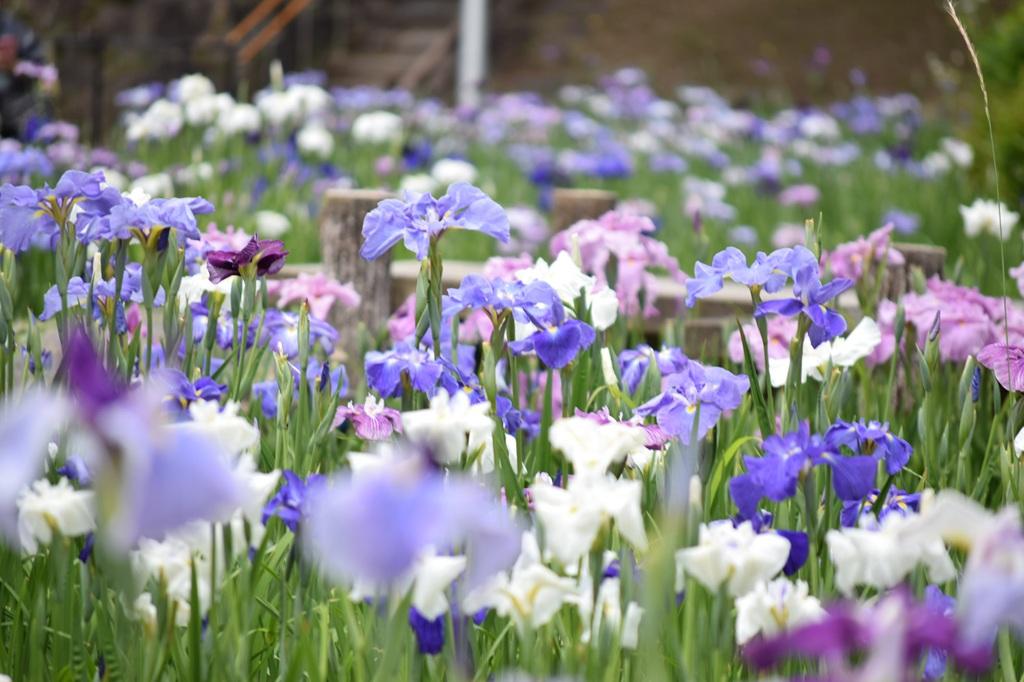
(930, 260)
(571, 205)
(341, 225)
(704, 338)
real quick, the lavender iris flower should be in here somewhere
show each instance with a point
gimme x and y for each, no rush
(281, 333)
(30, 216)
(291, 501)
(258, 258)
(374, 526)
(534, 301)
(417, 220)
(711, 389)
(634, 363)
(112, 216)
(768, 271)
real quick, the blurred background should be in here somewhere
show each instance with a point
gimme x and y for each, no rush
(779, 50)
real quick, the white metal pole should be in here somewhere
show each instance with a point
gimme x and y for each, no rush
(472, 57)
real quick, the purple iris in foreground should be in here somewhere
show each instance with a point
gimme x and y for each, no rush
(557, 344)
(258, 258)
(429, 633)
(1007, 362)
(418, 219)
(885, 639)
(373, 526)
(810, 299)
(711, 389)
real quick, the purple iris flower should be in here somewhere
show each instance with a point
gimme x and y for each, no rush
(515, 419)
(871, 438)
(711, 389)
(374, 526)
(557, 340)
(826, 324)
(384, 370)
(865, 633)
(76, 470)
(78, 293)
(429, 633)
(768, 271)
(534, 301)
(111, 216)
(181, 392)
(30, 216)
(258, 258)
(290, 502)
(634, 363)
(417, 220)
(775, 475)
(92, 388)
(372, 420)
(266, 393)
(943, 606)
(281, 333)
(896, 502)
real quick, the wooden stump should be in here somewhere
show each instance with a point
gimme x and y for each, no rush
(569, 206)
(341, 225)
(704, 338)
(930, 260)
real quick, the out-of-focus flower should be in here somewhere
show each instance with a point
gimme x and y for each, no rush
(271, 223)
(45, 509)
(850, 259)
(530, 593)
(453, 171)
(736, 556)
(372, 527)
(449, 425)
(775, 606)
(318, 290)
(988, 216)
(377, 127)
(314, 140)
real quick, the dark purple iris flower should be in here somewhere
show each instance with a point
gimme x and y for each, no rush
(289, 504)
(429, 633)
(865, 633)
(258, 258)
